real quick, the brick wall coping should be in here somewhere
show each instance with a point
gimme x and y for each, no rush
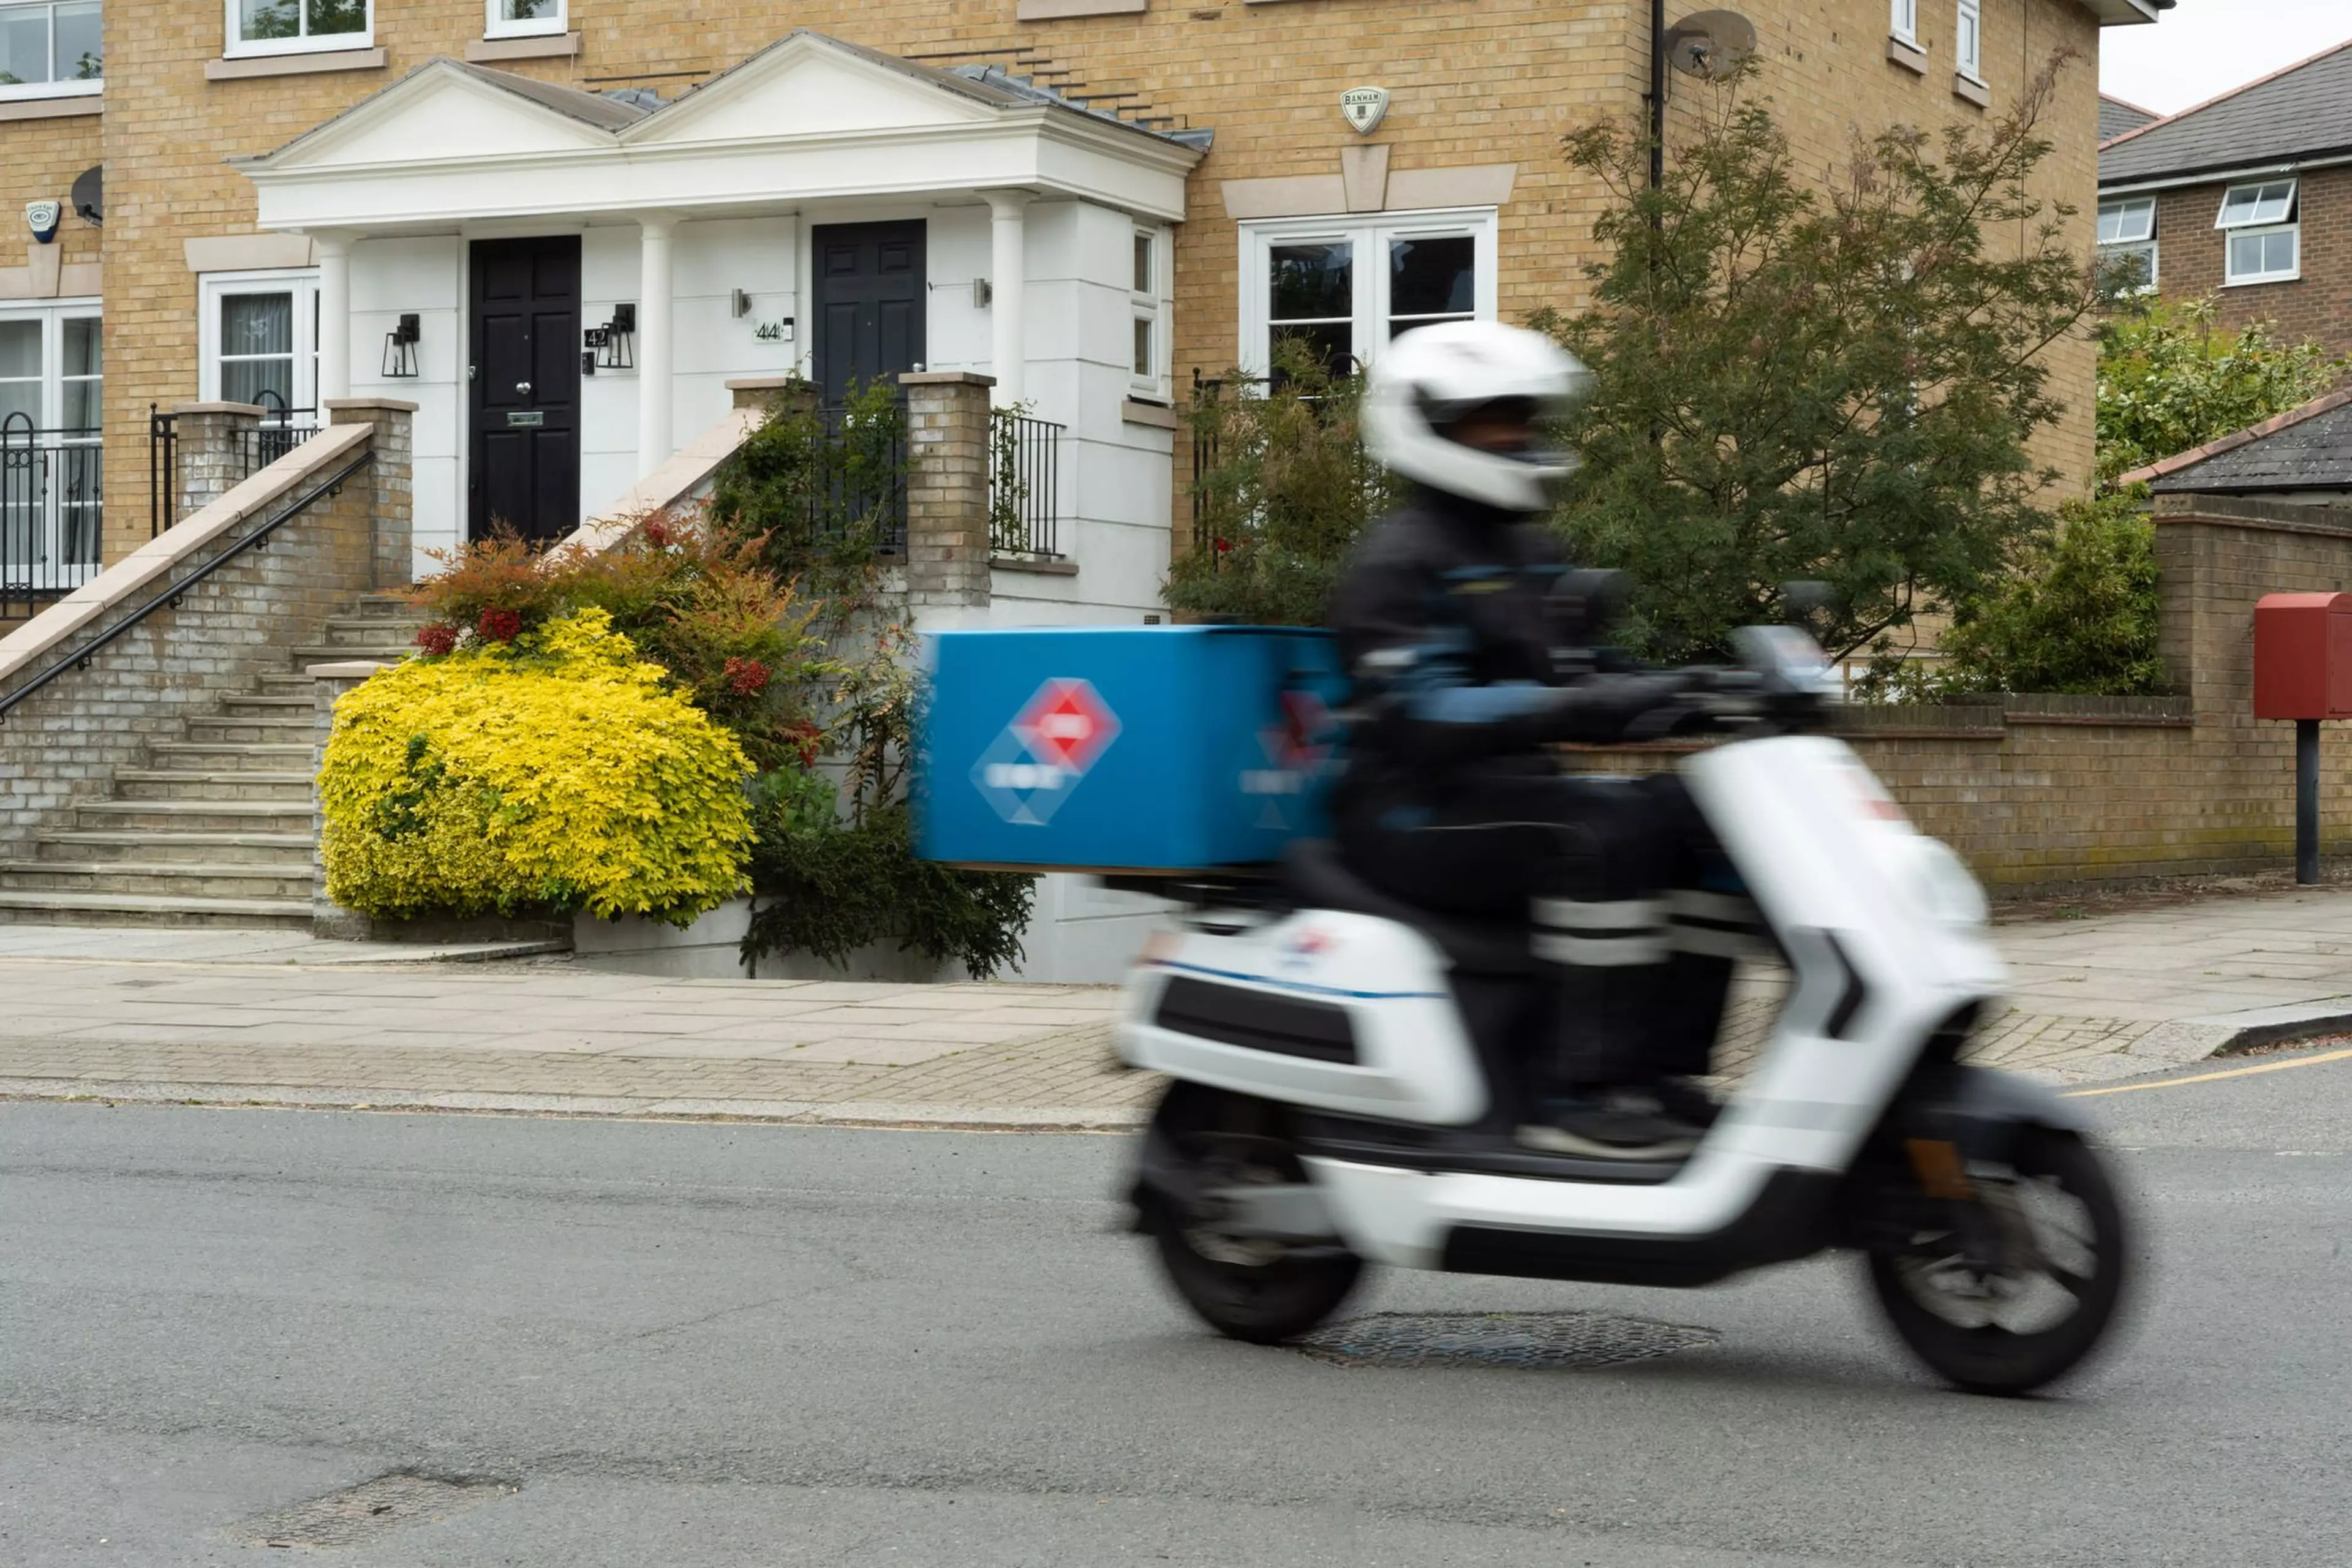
(345, 405)
(155, 561)
(766, 382)
(945, 378)
(1993, 714)
(675, 481)
(2261, 516)
(254, 409)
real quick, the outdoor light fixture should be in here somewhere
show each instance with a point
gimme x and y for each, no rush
(400, 348)
(742, 304)
(612, 346)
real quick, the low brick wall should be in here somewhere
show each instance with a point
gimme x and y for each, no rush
(64, 745)
(2052, 792)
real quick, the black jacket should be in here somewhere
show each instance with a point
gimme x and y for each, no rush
(1457, 659)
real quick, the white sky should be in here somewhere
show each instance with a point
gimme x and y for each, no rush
(2204, 48)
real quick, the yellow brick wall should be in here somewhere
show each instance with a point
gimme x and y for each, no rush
(1473, 81)
(43, 157)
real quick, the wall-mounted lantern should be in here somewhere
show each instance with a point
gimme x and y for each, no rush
(612, 346)
(400, 348)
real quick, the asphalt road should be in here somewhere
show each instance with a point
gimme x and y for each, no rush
(697, 1344)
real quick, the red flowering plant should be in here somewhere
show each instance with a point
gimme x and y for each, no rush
(437, 640)
(499, 625)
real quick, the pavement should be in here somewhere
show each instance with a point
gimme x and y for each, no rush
(709, 1345)
(280, 1018)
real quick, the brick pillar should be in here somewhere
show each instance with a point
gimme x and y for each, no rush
(330, 681)
(215, 442)
(391, 512)
(947, 497)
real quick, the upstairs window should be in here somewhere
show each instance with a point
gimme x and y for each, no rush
(1145, 289)
(2263, 232)
(1967, 40)
(291, 27)
(2127, 241)
(1904, 20)
(50, 50)
(525, 18)
(1343, 288)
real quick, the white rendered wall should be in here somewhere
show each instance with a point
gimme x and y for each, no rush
(428, 275)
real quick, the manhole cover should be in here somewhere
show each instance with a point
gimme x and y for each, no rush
(1499, 1339)
(361, 1513)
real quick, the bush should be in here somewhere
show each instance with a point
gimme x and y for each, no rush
(554, 772)
(2169, 380)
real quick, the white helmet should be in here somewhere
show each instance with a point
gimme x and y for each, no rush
(1430, 377)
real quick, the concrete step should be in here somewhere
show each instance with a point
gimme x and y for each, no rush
(327, 653)
(386, 605)
(298, 695)
(197, 816)
(133, 910)
(290, 755)
(351, 631)
(272, 727)
(173, 783)
(278, 851)
(169, 879)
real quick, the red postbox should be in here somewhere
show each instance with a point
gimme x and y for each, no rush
(2302, 656)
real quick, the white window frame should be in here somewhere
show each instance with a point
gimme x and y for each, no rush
(2126, 238)
(302, 282)
(1149, 304)
(234, 48)
(53, 315)
(495, 26)
(2261, 215)
(1968, 39)
(1371, 235)
(13, 91)
(1903, 20)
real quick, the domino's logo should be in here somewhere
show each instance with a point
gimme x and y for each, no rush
(1051, 744)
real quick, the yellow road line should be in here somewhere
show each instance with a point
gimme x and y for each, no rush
(2209, 1077)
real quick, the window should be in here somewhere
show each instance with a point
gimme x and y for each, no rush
(1148, 365)
(1968, 39)
(2127, 241)
(49, 51)
(50, 457)
(524, 18)
(260, 341)
(1345, 288)
(2264, 233)
(289, 26)
(1905, 20)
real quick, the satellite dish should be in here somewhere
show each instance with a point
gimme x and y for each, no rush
(1710, 44)
(89, 196)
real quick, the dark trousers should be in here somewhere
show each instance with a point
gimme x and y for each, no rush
(1588, 863)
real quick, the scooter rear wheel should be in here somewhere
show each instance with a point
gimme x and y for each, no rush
(2013, 1332)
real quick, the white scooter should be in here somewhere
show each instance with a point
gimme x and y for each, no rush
(1345, 1088)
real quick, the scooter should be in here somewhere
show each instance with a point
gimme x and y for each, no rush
(1344, 1088)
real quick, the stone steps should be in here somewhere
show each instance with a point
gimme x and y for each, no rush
(353, 632)
(329, 653)
(270, 728)
(133, 910)
(209, 756)
(198, 815)
(168, 878)
(173, 784)
(97, 846)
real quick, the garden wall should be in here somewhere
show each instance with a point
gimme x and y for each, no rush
(2067, 791)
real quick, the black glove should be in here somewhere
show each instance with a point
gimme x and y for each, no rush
(1606, 708)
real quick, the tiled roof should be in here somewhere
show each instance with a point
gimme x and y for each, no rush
(2115, 117)
(2295, 113)
(2305, 449)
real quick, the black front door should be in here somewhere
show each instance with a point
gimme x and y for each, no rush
(525, 353)
(869, 303)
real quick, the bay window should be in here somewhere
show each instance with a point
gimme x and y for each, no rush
(291, 26)
(1342, 287)
(50, 48)
(2261, 227)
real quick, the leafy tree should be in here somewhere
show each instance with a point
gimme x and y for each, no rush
(1283, 491)
(2169, 379)
(1797, 382)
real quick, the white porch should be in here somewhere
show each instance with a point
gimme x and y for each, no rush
(1045, 247)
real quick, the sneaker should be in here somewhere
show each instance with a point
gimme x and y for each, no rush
(1597, 1129)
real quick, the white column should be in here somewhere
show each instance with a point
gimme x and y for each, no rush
(334, 253)
(1007, 262)
(656, 398)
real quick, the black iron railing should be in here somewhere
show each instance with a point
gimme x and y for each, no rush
(858, 484)
(1024, 493)
(280, 431)
(52, 516)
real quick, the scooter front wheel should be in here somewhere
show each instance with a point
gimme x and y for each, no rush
(2013, 1329)
(1263, 1292)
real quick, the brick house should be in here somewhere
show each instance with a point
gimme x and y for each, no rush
(560, 226)
(2248, 197)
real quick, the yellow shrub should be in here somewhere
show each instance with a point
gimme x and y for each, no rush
(556, 772)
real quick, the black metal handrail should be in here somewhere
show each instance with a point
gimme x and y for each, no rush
(52, 518)
(256, 537)
(1023, 484)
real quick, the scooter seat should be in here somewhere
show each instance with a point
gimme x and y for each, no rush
(1315, 877)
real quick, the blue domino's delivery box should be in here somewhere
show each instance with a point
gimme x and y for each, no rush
(1124, 749)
